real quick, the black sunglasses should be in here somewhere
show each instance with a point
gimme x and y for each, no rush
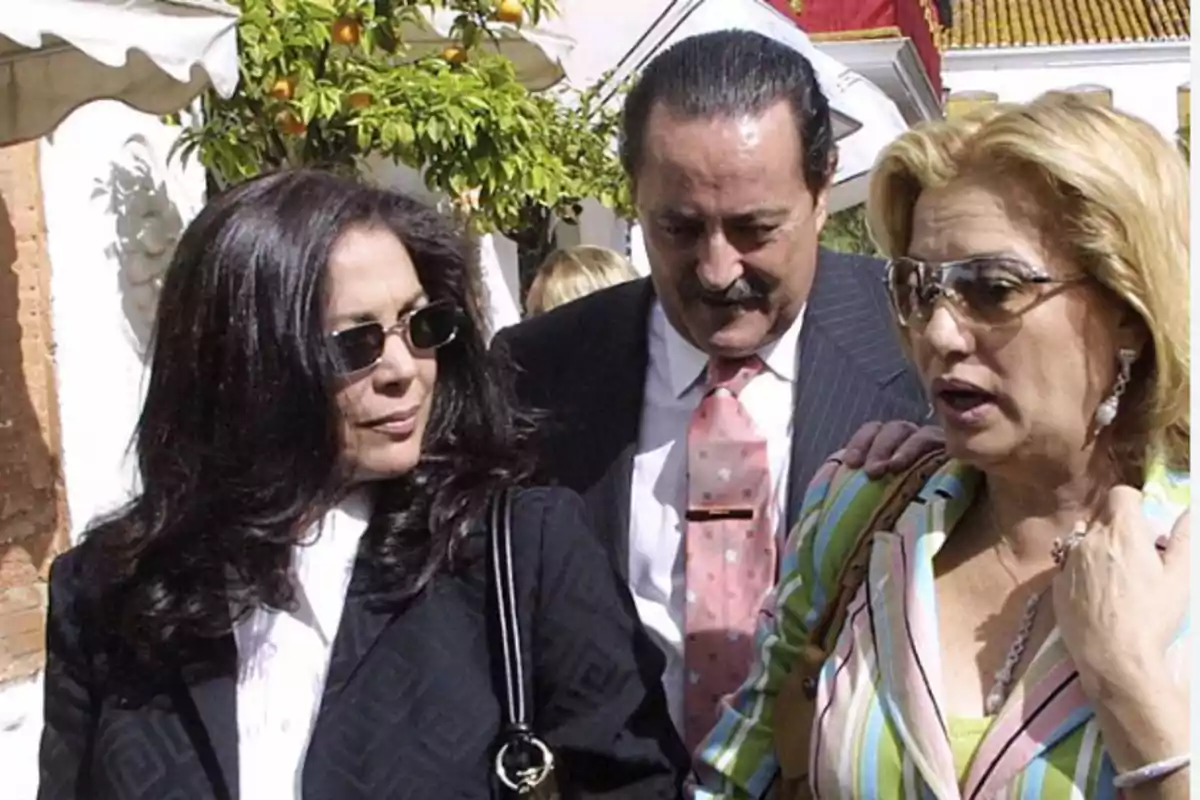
(988, 289)
(425, 328)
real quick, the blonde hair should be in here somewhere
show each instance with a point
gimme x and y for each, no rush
(573, 272)
(1120, 211)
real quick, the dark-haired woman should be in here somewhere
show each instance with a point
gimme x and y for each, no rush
(298, 604)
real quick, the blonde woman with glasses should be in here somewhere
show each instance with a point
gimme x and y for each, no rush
(1018, 626)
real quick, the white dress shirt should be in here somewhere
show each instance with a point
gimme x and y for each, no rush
(283, 656)
(658, 495)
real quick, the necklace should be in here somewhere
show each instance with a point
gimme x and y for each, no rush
(1004, 676)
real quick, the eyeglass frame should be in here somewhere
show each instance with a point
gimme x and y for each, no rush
(1026, 273)
(403, 327)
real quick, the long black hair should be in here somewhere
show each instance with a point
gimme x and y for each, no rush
(238, 441)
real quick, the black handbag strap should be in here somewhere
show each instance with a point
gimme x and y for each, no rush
(523, 761)
(504, 586)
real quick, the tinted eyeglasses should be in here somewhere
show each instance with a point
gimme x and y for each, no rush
(425, 328)
(988, 289)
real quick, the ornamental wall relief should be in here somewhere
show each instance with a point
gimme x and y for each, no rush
(150, 204)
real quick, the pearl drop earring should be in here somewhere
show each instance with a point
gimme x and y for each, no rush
(1106, 412)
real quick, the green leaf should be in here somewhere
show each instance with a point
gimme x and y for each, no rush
(467, 125)
(846, 231)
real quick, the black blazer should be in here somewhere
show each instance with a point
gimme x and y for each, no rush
(410, 709)
(584, 364)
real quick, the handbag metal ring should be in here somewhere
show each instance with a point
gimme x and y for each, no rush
(530, 778)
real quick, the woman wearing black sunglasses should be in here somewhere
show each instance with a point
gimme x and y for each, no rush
(301, 602)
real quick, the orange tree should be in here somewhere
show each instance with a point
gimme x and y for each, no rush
(330, 82)
(846, 231)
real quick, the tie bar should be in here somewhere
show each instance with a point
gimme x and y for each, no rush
(718, 514)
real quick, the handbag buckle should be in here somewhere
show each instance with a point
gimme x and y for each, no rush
(523, 763)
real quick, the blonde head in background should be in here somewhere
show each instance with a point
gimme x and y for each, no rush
(1084, 192)
(573, 272)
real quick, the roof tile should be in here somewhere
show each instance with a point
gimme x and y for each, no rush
(1026, 23)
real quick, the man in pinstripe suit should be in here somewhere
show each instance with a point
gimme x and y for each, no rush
(727, 140)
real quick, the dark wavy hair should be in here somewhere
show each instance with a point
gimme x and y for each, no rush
(238, 441)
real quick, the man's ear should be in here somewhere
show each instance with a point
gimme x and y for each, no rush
(821, 198)
(821, 208)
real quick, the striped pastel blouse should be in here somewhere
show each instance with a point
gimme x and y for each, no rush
(882, 732)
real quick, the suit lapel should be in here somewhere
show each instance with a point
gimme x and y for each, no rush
(617, 380)
(209, 707)
(846, 341)
(209, 715)
(364, 617)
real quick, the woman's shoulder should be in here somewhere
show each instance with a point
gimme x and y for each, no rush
(548, 513)
(553, 521)
(76, 585)
(840, 501)
(538, 502)
(76, 571)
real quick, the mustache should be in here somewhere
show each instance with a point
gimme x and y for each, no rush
(748, 288)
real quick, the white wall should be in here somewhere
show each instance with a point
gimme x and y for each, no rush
(1143, 78)
(114, 209)
(20, 725)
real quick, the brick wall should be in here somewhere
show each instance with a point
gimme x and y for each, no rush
(33, 519)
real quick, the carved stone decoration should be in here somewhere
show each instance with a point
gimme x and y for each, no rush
(151, 204)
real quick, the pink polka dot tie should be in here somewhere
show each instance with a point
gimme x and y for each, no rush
(729, 543)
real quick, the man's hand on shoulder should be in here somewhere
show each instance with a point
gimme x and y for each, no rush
(880, 448)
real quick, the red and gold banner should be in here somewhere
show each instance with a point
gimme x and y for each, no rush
(874, 19)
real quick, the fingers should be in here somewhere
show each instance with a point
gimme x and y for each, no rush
(1124, 504)
(1120, 520)
(1123, 520)
(925, 440)
(855, 451)
(880, 448)
(889, 439)
(1176, 558)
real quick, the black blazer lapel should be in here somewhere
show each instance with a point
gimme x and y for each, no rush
(849, 359)
(364, 618)
(208, 709)
(616, 365)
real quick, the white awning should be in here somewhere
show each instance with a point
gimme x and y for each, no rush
(866, 114)
(536, 52)
(154, 55)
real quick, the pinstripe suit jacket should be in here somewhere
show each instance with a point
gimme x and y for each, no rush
(880, 729)
(584, 364)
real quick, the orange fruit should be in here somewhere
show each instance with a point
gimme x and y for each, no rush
(510, 11)
(359, 99)
(347, 31)
(455, 55)
(289, 124)
(283, 89)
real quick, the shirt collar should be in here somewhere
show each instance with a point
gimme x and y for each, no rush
(324, 560)
(686, 363)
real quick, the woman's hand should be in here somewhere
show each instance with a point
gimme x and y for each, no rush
(1119, 601)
